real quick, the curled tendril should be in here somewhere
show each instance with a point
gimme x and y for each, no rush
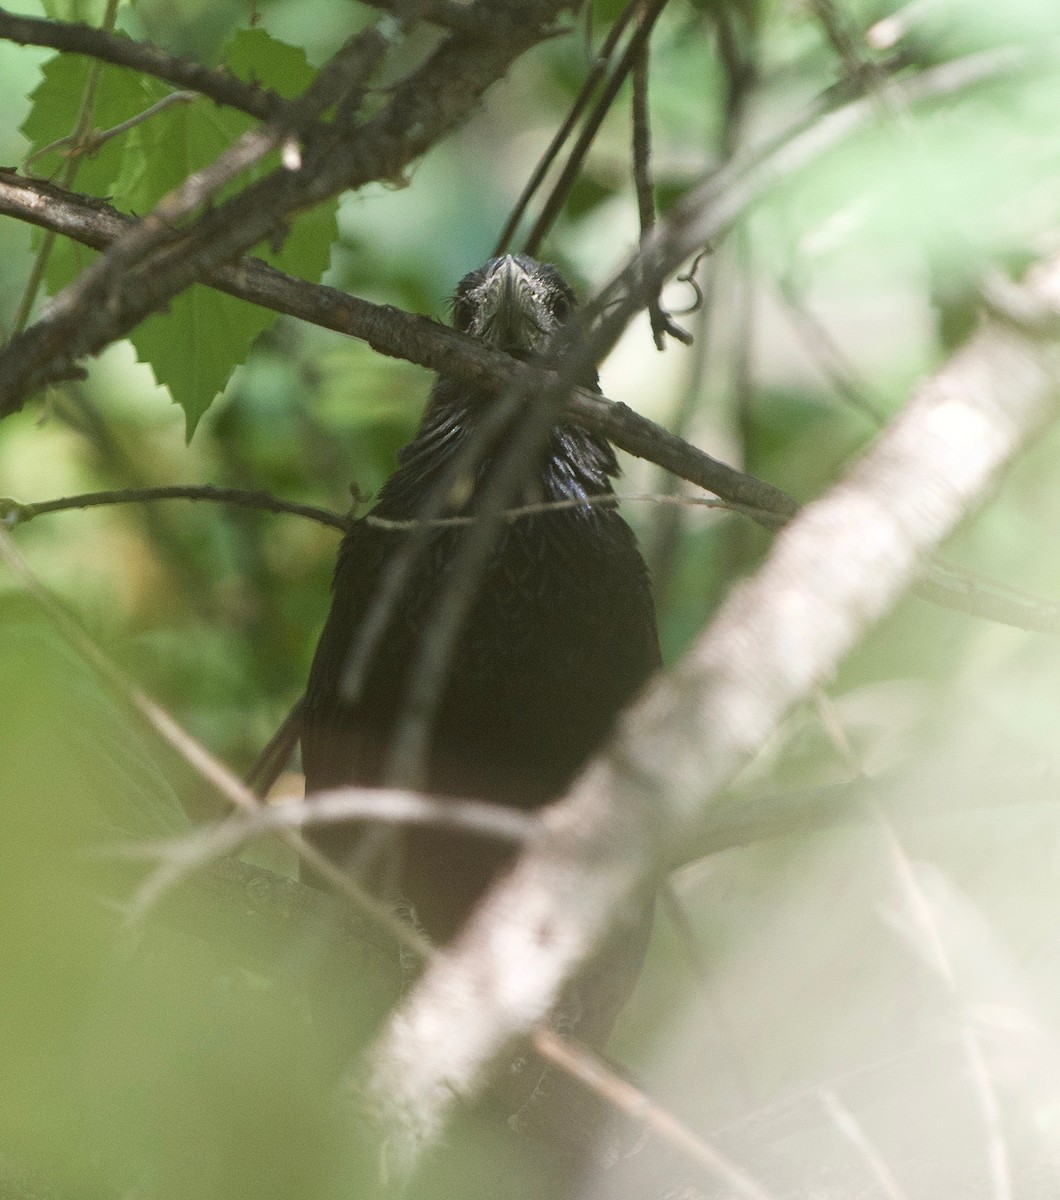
(689, 277)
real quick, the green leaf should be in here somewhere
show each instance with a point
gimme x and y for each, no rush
(88, 12)
(194, 347)
(57, 103)
(257, 57)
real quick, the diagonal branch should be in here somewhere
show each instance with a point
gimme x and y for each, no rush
(833, 572)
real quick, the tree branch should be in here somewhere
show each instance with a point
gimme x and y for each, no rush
(180, 857)
(73, 38)
(150, 262)
(13, 513)
(439, 348)
(833, 572)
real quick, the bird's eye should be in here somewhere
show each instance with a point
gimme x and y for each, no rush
(561, 306)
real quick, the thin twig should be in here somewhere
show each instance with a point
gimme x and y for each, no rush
(407, 755)
(623, 1095)
(677, 913)
(596, 73)
(836, 733)
(355, 61)
(180, 857)
(402, 562)
(862, 69)
(560, 190)
(849, 1126)
(548, 506)
(13, 512)
(829, 355)
(661, 324)
(275, 756)
(96, 138)
(665, 530)
(81, 132)
(933, 947)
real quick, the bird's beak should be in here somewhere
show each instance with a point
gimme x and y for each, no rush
(510, 308)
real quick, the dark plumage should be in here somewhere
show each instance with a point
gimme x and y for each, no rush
(559, 638)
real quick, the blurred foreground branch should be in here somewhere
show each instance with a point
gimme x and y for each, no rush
(833, 572)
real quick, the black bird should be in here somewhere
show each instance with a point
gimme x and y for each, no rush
(559, 638)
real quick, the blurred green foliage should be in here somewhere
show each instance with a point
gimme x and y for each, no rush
(150, 1060)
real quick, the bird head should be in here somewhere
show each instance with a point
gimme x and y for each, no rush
(514, 303)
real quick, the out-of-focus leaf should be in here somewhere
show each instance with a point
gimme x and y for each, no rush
(88, 12)
(150, 1049)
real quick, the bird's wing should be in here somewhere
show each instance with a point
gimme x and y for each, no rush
(336, 734)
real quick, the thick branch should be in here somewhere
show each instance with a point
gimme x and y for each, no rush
(834, 571)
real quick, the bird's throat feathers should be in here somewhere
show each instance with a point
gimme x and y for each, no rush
(575, 465)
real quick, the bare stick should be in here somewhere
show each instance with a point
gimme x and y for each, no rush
(931, 943)
(13, 513)
(181, 856)
(596, 73)
(556, 198)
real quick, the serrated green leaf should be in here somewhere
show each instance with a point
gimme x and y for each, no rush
(194, 347)
(120, 94)
(257, 57)
(57, 103)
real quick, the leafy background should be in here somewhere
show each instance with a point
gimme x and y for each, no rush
(170, 1064)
